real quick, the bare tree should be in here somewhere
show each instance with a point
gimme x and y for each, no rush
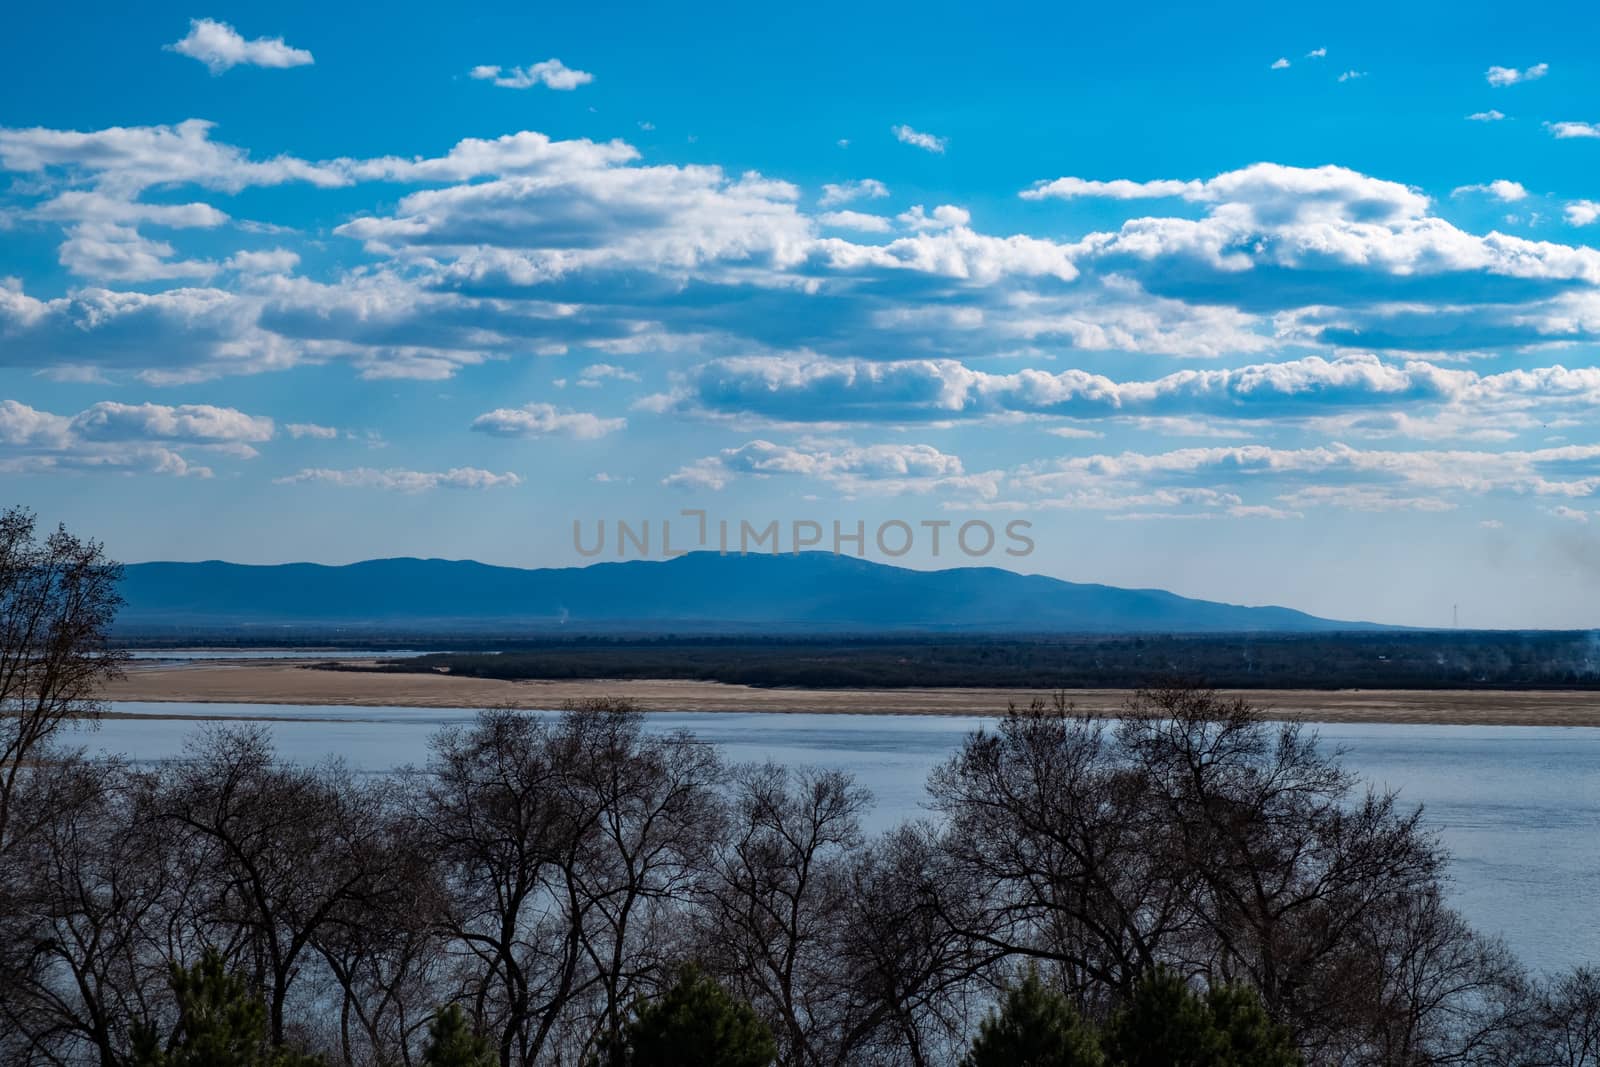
(659, 816)
(76, 970)
(58, 597)
(1052, 826)
(778, 899)
(1565, 1027)
(918, 983)
(286, 848)
(1289, 864)
(496, 814)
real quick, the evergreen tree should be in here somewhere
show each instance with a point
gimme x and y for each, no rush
(222, 1022)
(452, 1042)
(1035, 1027)
(696, 1022)
(1166, 1024)
(1254, 1040)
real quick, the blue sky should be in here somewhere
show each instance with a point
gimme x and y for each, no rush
(1263, 305)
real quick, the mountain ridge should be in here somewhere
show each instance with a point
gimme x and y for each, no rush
(810, 592)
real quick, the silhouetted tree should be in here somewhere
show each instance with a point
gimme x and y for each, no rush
(1034, 1027)
(1165, 1023)
(452, 1042)
(695, 1021)
(221, 1022)
(58, 596)
(780, 890)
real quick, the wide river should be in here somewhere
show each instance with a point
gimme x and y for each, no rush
(1518, 807)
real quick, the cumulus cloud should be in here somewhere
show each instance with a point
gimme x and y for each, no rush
(1492, 115)
(269, 261)
(551, 73)
(1569, 130)
(115, 437)
(220, 47)
(943, 217)
(1582, 212)
(597, 374)
(917, 139)
(545, 420)
(109, 252)
(1281, 63)
(1116, 189)
(1352, 75)
(502, 248)
(124, 160)
(312, 430)
(832, 390)
(403, 481)
(845, 192)
(1317, 53)
(1507, 191)
(883, 469)
(1500, 77)
(855, 220)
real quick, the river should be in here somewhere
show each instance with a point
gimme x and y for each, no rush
(1517, 806)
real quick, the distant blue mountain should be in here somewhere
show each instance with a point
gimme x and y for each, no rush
(812, 593)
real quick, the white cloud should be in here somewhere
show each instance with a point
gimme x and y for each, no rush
(272, 261)
(1569, 130)
(115, 437)
(185, 423)
(885, 469)
(1492, 115)
(855, 220)
(1281, 63)
(109, 252)
(312, 430)
(797, 390)
(403, 481)
(1582, 212)
(1500, 77)
(95, 207)
(597, 374)
(1317, 53)
(845, 192)
(1352, 75)
(1507, 191)
(124, 160)
(220, 47)
(1117, 189)
(944, 217)
(926, 141)
(543, 420)
(551, 73)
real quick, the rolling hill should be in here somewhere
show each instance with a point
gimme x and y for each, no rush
(704, 592)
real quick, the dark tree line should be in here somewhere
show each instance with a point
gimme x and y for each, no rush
(1447, 659)
(1187, 884)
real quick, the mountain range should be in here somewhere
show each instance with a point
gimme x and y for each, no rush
(700, 592)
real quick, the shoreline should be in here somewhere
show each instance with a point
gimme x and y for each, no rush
(284, 682)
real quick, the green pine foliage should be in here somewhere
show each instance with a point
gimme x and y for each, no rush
(452, 1042)
(1164, 1023)
(1035, 1027)
(222, 1022)
(695, 1021)
(1254, 1040)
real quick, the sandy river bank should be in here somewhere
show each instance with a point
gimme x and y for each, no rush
(286, 682)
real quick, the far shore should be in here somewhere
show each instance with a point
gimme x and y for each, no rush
(284, 682)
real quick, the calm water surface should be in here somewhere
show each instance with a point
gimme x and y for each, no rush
(1518, 807)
